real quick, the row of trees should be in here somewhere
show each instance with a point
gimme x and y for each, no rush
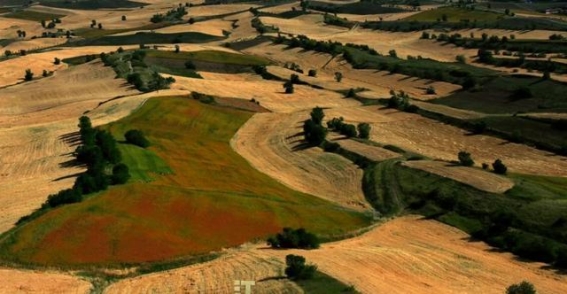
(294, 238)
(362, 130)
(465, 159)
(172, 15)
(315, 133)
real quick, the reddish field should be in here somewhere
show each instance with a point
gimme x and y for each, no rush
(214, 199)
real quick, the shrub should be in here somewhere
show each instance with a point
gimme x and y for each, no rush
(499, 167)
(338, 77)
(430, 90)
(465, 159)
(521, 288)
(296, 269)
(45, 73)
(120, 174)
(136, 137)
(288, 86)
(335, 123)
(364, 130)
(349, 130)
(29, 75)
(57, 61)
(124, 18)
(393, 53)
(290, 238)
(485, 165)
(312, 73)
(351, 93)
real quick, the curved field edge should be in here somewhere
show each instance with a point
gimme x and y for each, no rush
(213, 199)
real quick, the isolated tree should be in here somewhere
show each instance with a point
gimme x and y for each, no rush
(499, 167)
(430, 90)
(29, 75)
(349, 130)
(124, 18)
(23, 52)
(312, 73)
(176, 48)
(68, 34)
(465, 159)
(393, 53)
(524, 287)
(314, 133)
(57, 61)
(100, 26)
(338, 76)
(364, 130)
(317, 115)
(288, 86)
(136, 137)
(7, 53)
(45, 73)
(296, 269)
(191, 20)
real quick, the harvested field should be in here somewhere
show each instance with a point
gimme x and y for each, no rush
(212, 27)
(272, 143)
(21, 281)
(216, 276)
(378, 82)
(270, 94)
(384, 260)
(482, 180)
(449, 111)
(374, 153)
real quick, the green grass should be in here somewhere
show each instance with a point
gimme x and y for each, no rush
(143, 163)
(360, 8)
(468, 225)
(454, 14)
(33, 15)
(543, 187)
(213, 199)
(324, 284)
(148, 38)
(92, 33)
(495, 96)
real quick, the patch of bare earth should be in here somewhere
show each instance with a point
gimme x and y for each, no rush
(480, 179)
(21, 281)
(273, 144)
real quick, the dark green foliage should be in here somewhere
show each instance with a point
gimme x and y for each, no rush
(351, 93)
(174, 14)
(29, 75)
(338, 76)
(335, 123)
(314, 133)
(312, 73)
(124, 18)
(190, 65)
(288, 86)
(136, 137)
(499, 167)
(296, 269)
(465, 159)
(401, 102)
(120, 174)
(521, 288)
(364, 130)
(349, 130)
(64, 197)
(290, 238)
(317, 115)
(107, 144)
(522, 92)
(57, 61)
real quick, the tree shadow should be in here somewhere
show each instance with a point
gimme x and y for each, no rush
(302, 146)
(71, 139)
(275, 278)
(67, 177)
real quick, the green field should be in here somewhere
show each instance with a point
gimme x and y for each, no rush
(213, 198)
(454, 14)
(148, 38)
(33, 15)
(360, 8)
(212, 56)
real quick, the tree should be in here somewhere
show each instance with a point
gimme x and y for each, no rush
(288, 86)
(465, 159)
(64, 197)
(296, 269)
(176, 48)
(43, 23)
(499, 167)
(191, 20)
(124, 18)
(338, 76)
(120, 49)
(120, 174)
(290, 238)
(461, 59)
(393, 53)
(314, 133)
(29, 75)
(189, 65)
(349, 130)
(100, 26)
(136, 137)
(430, 90)
(7, 53)
(364, 130)
(312, 73)
(317, 115)
(524, 287)
(45, 73)
(57, 61)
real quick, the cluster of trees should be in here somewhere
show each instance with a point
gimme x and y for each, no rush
(172, 15)
(362, 130)
(293, 66)
(503, 43)
(296, 269)
(21, 34)
(51, 24)
(401, 102)
(545, 66)
(136, 137)
(98, 151)
(465, 159)
(524, 287)
(288, 85)
(261, 28)
(298, 238)
(313, 129)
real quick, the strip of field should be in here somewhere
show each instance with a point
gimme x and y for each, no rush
(441, 141)
(272, 143)
(373, 153)
(482, 180)
(20, 281)
(433, 258)
(213, 199)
